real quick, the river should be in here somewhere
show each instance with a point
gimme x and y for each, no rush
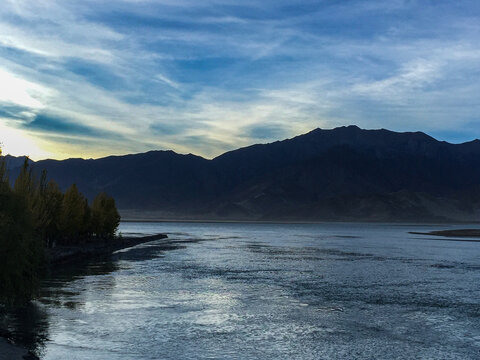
(264, 291)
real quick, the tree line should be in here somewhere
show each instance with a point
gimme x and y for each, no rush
(34, 215)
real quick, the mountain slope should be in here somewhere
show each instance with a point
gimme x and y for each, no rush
(341, 174)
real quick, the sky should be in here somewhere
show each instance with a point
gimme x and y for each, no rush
(91, 78)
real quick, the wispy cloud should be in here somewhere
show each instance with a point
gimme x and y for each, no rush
(209, 76)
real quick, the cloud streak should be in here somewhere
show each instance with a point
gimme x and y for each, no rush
(206, 77)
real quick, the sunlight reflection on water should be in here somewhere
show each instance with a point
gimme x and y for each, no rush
(264, 291)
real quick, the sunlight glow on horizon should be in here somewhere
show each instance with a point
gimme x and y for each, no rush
(18, 143)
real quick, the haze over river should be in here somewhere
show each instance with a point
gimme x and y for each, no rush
(265, 291)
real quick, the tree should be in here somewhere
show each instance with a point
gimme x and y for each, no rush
(105, 217)
(35, 214)
(3, 171)
(49, 213)
(73, 215)
(85, 230)
(25, 184)
(38, 205)
(20, 251)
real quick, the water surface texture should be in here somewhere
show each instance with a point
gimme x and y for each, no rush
(265, 291)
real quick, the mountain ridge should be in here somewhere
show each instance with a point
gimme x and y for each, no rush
(345, 173)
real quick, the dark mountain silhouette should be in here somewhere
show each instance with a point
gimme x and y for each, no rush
(342, 174)
(14, 162)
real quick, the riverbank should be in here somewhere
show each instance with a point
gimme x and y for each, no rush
(68, 254)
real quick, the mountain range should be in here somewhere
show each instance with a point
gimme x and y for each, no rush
(342, 174)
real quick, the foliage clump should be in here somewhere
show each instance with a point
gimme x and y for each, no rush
(105, 217)
(35, 215)
(20, 251)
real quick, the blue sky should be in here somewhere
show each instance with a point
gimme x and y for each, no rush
(91, 78)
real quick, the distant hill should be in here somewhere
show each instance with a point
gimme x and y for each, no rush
(341, 174)
(14, 161)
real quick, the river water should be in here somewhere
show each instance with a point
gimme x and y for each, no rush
(265, 291)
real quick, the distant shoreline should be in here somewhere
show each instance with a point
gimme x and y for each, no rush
(234, 221)
(458, 233)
